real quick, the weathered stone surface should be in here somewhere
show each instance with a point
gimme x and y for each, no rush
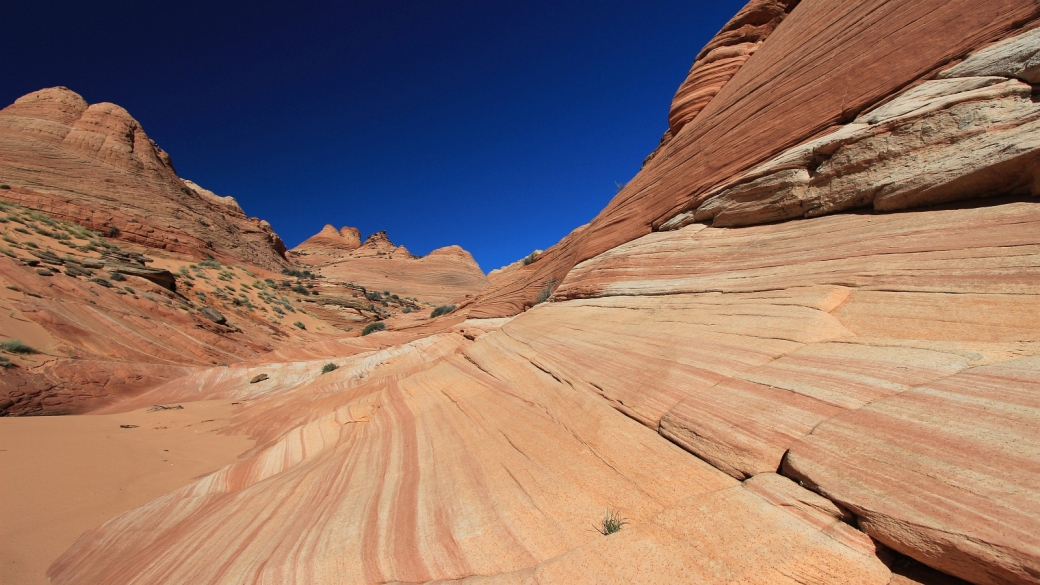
(1017, 57)
(441, 276)
(95, 166)
(434, 465)
(945, 472)
(942, 141)
(159, 276)
(824, 65)
(213, 315)
(329, 242)
(723, 56)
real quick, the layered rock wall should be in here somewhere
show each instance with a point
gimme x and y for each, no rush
(441, 276)
(95, 166)
(823, 66)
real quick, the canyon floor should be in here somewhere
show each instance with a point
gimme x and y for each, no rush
(65, 475)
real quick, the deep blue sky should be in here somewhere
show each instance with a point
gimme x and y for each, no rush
(499, 126)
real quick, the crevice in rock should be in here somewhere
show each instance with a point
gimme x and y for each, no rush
(907, 571)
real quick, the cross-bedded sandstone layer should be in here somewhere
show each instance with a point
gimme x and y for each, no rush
(95, 166)
(441, 276)
(892, 372)
(763, 401)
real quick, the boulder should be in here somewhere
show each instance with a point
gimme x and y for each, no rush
(213, 315)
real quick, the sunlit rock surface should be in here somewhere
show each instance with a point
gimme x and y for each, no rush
(95, 166)
(441, 276)
(790, 395)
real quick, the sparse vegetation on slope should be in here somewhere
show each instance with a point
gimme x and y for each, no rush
(16, 346)
(442, 310)
(373, 327)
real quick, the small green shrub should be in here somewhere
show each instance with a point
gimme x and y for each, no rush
(546, 292)
(16, 346)
(300, 325)
(442, 310)
(5, 363)
(5, 187)
(373, 327)
(407, 310)
(298, 273)
(612, 522)
(530, 258)
(117, 276)
(328, 368)
(209, 263)
(373, 296)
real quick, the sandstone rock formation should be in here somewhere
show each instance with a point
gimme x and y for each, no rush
(95, 166)
(823, 66)
(439, 277)
(723, 56)
(785, 395)
(836, 360)
(329, 243)
(944, 140)
(109, 322)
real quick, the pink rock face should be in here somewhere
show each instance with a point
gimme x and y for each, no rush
(94, 165)
(489, 449)
(328, 242)
(442, 276)
(447, 458)
(723, 56)
(823, 66)
(945, 472)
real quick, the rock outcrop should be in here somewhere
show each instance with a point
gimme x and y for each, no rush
(723, 56)
(823, 66)
(95, 166)
(328, 244)
(785, 394)
(108, 323)
(942, 141)
(377, 264)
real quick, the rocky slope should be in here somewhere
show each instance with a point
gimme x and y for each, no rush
(824, 65)
(107, 322)
(95, 166)
(892, 372)
(441, 276)
(765, 390)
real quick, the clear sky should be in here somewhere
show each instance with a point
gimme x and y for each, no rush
(498, 125)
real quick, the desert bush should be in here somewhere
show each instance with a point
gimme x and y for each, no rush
(5, 187)
(16, 346)
(300, 325)
(4, 362)
(209, 263)
(373, 296)
(407, 310)
(117, 276)
(328, 368)
(442, 310)
(612, 522)
(530, 258)
(373, 327)
(546, 292)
